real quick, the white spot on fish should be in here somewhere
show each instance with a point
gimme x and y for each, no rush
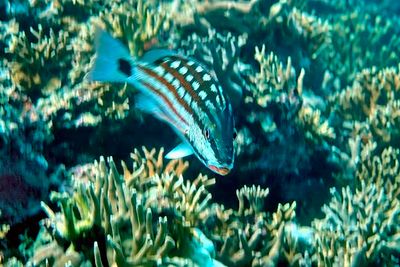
(189, 78)
(160, 70)
(218, 100)
(195, 85)
(175, 64)
(190, 63)
(168, 76)
(206, 77)
(183, 70)
(176, 83)
(203, 95)
(199, 69)
(213, 88)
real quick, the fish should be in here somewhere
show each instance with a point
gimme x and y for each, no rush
(177, 90)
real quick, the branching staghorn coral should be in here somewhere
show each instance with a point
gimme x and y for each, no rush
(280, 24)
(151, 216)
(280, 101)
(32, 52)
(256, 198)
(372, 102)
(106, 208)
(350, 31)
(120, 218)
(361, 224)
(274, 80)
(250, 236)
(137, 23)
(314, 33)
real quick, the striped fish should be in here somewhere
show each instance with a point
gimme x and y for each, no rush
(176, 90)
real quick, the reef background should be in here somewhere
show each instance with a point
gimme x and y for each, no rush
(316, 94)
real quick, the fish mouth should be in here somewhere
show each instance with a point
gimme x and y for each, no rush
(220, 170)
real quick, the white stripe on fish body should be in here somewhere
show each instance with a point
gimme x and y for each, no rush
(159, 70)
(169, 95)
(175, 83)
(169, 77)
(169, 114)
(181, 91)
(188, 99)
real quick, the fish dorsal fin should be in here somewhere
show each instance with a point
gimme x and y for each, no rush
(180, 151)
(156, 54)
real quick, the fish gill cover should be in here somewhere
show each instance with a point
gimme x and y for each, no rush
(315, 89)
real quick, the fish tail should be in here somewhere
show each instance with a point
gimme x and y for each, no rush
(112, 62)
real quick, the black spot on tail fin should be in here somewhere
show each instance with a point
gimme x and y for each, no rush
(125, 66)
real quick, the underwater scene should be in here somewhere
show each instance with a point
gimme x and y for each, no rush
(200, 133)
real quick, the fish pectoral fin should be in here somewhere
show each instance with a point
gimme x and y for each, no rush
(145, 104)
(180, 151)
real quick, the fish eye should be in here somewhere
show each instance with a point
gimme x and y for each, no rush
(206, 133)
(234, 134)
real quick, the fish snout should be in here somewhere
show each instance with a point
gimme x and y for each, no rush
(222, 170)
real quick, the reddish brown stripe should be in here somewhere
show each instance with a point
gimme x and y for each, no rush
(185, 84)
(166, 100)
(171, 88)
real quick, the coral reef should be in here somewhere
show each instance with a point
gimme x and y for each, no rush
(361, 224)
(151, 215)
(141, 217)
(372, 102)
(24, 180)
